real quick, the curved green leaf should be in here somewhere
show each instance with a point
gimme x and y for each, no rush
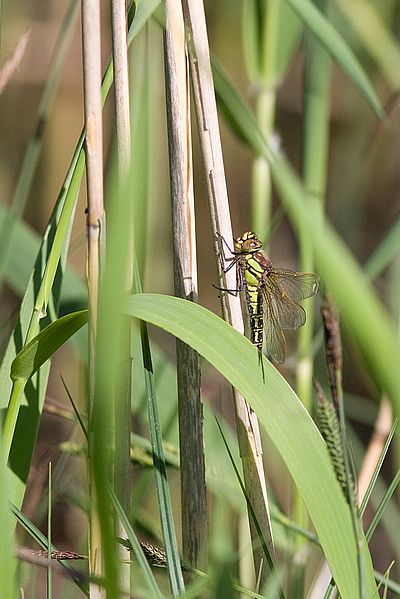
(35, 353)
(360, 309)
(362, 312)
(284, 418)
(335, 45)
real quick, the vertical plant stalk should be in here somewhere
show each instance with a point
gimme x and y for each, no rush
(91, 43)
(122, 464)
(193, 486)
(261, 68)
(315, 155)
(49, 545)
(315, 158)
(121, 85)
(210, 141)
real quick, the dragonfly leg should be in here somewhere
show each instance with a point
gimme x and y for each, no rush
(233, 292)
(239, 280)
(232, 263)
(232, 252)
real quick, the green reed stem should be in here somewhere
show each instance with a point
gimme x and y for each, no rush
(315, 152)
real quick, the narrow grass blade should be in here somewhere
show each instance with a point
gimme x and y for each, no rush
(41, 539)
(42, 347)
(134, 542)
(7, 549)
(239, 117)
(164, 499)
(361, 310)
(283, 417)
(384, 252)
(40, 294)
(354, 297)
(335, 45)
(267, 553)
(74, 407)
(377, 470)
(391, 584)
(25, 365)
(49, 510)
(380, 509)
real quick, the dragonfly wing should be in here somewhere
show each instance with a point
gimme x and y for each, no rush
(287, 313)
(297, 285)
(274, 339)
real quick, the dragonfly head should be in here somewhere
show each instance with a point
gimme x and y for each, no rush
(248, 243)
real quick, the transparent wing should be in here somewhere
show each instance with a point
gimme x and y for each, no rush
(286, 312)
(297, 285)
(274, 339)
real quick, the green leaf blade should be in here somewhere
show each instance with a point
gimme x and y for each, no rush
(283, 417)
(39, 350)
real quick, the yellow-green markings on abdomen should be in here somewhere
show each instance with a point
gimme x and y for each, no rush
(254, 300)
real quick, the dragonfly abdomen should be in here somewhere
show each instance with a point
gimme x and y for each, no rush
(254, 301)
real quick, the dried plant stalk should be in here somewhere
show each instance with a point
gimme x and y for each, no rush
(207, 120)
(193, 487)
(382, 427)
(94, 223)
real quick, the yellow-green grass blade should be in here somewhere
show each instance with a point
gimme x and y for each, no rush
(31, 397)
(384, 253)
(29, 360)
(30, 300)
(289, 33)
(361, 311)
(335, 45)
(45, 344)
(283, 417)
(7, 549)
(40, 538)
(136, 548)
(163, 495)
(256, 40)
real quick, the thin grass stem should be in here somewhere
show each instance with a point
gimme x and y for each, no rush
(315, 154)
(122, 464)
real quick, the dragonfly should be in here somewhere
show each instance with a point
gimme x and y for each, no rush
(272, 295)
